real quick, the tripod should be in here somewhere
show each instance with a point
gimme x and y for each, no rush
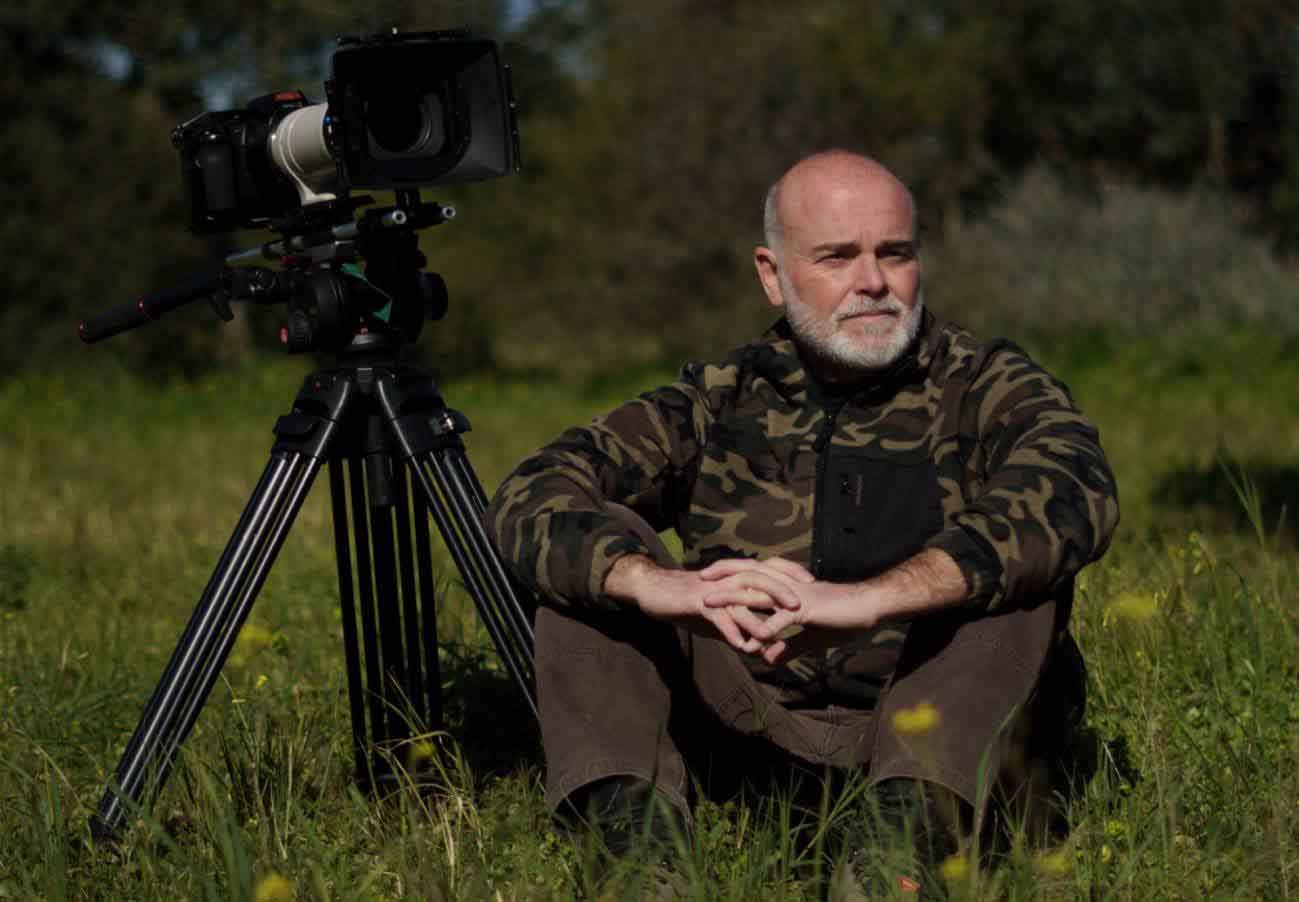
(395, 458)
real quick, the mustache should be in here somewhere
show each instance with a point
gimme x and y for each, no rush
(862, 307)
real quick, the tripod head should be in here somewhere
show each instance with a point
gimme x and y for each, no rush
(331, 302)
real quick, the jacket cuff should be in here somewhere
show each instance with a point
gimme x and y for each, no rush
(605, 552)
(978, 562)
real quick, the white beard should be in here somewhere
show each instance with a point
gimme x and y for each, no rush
(822, 335)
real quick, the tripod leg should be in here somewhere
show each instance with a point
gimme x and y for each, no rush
(390, 697)
(225, 603)
(351, 647)
(428, 635)
(380, 490)
(459, 484)
(413, 689)
(378, 729)
(207, 639)
(456, 500)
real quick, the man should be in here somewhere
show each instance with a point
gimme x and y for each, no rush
(881, 520)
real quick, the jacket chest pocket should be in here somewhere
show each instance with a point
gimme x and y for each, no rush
(873, 510)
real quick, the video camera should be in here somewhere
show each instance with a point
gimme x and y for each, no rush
(402, 111)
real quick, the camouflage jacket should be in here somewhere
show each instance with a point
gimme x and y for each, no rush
(965, 446)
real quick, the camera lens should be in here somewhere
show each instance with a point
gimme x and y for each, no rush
(404, 124)
(396, 123)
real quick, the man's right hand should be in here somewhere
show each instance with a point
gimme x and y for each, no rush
(677, 596)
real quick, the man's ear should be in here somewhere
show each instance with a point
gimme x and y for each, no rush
(764, 260)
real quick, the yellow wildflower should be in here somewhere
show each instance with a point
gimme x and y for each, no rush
(273, 888)
(252, 637)
(954, 868)
(418, 754)
(916, 721)
(1137, 607)
(1054, 864)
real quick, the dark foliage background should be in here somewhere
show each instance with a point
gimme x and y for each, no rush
(1069, 158)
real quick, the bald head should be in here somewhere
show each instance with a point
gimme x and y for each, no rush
(816, 177)
(841, 259)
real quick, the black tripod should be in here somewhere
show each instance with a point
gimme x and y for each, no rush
(395, 456)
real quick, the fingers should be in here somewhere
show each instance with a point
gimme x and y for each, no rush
(774, 653)
(748, 631)
(754, 589)
(725, 622)
(740, 597)
(753, 625)
(731, 566)
(777, 623)
(808, 640)
(791, 569)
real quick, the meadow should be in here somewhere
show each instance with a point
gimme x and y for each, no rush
(118, 493)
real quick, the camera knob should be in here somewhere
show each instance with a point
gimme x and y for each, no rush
(297, 335)
(434, 291)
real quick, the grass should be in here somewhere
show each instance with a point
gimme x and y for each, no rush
(118, 496)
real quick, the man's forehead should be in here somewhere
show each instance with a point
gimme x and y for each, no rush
(873, 210)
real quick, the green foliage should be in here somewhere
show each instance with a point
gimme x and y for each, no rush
(88, 178)
(1053, 260)
(650, 133)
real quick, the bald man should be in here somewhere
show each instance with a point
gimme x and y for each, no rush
(881, 518)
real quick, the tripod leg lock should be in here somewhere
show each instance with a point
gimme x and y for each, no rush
(316, 413)
(449, 422)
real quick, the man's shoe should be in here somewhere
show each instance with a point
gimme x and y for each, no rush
(858, 879)
(626, 812)
(896, 849)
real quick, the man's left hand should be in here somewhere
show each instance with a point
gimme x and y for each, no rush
(830, 612)
(827, 611)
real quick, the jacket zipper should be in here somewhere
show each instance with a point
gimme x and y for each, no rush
(821, 446)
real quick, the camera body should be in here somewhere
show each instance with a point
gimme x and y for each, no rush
(402, 111)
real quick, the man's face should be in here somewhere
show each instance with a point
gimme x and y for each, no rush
(847, 270)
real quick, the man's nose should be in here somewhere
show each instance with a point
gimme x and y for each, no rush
(870, 279)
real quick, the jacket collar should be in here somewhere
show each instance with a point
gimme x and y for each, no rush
(779, 360)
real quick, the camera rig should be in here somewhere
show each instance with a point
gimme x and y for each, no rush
(328, 298)
(393, 447)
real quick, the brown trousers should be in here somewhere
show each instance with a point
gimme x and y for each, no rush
(620, 694)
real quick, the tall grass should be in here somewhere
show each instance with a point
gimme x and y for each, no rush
(118, 496)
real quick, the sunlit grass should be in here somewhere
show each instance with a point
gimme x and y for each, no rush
(117, 497)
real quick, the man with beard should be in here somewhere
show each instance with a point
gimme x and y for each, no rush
(881, 518)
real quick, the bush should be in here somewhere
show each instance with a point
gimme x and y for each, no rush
(1050, 261)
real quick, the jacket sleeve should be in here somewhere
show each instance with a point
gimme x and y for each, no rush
(548, 518)
(1048, 503)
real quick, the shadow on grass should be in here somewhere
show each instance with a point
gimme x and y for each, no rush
(1207, 492)
(486, 713)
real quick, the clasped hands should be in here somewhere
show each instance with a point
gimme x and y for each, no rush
(753, 605)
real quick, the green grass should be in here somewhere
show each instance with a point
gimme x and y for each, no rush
(118, 496)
